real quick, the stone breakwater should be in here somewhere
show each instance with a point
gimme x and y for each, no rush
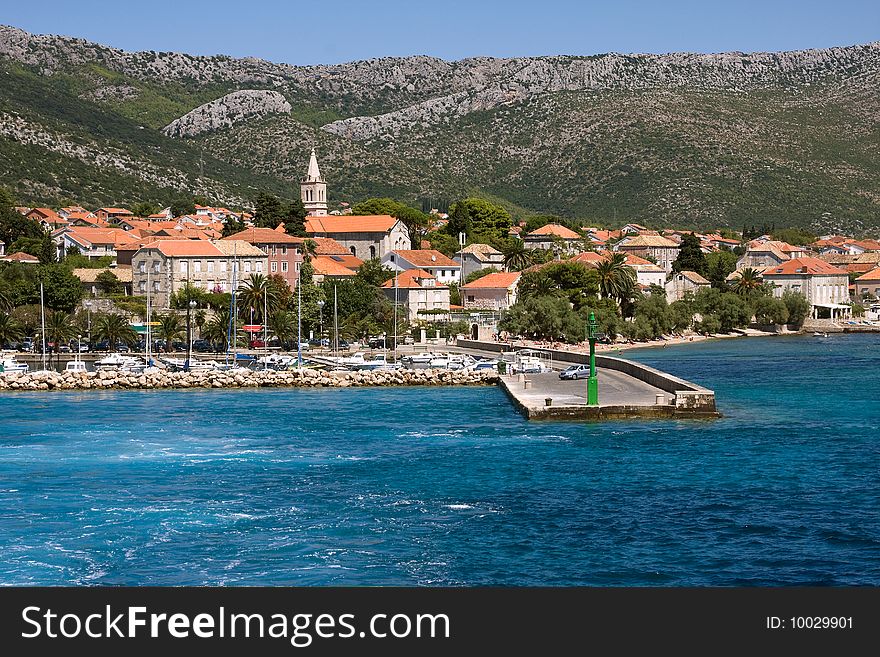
(240, 379)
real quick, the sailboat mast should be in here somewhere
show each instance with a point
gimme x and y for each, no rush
(43, 323)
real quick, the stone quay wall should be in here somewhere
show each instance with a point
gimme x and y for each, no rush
(110, 379)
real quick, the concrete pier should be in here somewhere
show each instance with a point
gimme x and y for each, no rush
(626, 390)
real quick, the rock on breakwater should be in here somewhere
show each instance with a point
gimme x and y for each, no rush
(239, 378)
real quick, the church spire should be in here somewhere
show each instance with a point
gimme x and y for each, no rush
(314, 173)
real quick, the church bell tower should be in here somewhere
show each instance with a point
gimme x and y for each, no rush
(313, 189)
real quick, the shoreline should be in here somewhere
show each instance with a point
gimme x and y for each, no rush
(616, 348)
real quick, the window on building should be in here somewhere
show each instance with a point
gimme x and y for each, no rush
(274, 249)
(259, 267)
(372, 252)
(184, 267)
(210, 266)
(470, 297)
(197, 266)
(155, 286)
(273, 266)
(284, 266)
(142, 266)
(247, 266)
(156, 265)
(353, 251)
(223, 266)
(283, 249)
(142, 286)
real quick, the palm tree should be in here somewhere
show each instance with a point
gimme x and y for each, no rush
(251, 294)
(170, 327)
(516, 257)
(10, 329)
(310, 249)
(748, 281)
(616, 279)
(283, 326)
(199, 319)
(59, 329)
(115, 329)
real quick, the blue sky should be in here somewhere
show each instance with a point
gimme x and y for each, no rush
(346, 30)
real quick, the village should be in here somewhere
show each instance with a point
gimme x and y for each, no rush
(167, 275)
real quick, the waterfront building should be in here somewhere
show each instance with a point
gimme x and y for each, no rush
(684, 282)
(868, 284)
(664, 251)
(432, 261)
(283, 251)
(495, 291)
(475, 257)
(416, 290)
(825, 286)
(211, 265)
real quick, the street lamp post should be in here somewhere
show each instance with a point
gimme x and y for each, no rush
(592, 382)
(189, 309)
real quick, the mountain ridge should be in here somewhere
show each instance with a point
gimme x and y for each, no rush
(542, 132)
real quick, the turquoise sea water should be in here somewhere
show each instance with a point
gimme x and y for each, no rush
(450, 486)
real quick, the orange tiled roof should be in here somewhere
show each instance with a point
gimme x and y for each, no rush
(379, 223)
(184, 248)
(426, 258)
(116, 211)
(329, 246)
(327, 266)
(555, 230)
(112, 236)
(494, 281)
(410, 279)
(656, 241)
(265, 236)
(21, 256)
(809, 266)
(873, 275)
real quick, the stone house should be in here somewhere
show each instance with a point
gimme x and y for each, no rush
(283, 251)
(825, 286)
(495, 291)
(664, 251)
(684, 282)
(416, 290)
(868, 284)
(366, 237)
(168, 265)
(475, 257)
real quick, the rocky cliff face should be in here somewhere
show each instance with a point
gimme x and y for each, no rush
(227, 111)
